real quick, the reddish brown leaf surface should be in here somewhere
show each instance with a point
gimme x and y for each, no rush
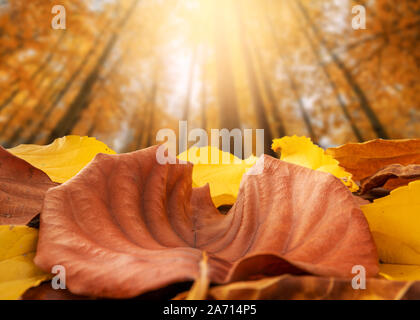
(22, 189)
(127, 225)
(365, 159)
(46, 292)
(288, 287)
(380, 178)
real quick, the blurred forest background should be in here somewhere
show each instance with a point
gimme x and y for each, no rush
(123, 69)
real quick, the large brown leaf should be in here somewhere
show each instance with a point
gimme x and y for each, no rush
(365, 159)
(22, 189)
(288, 287)
(126, 225)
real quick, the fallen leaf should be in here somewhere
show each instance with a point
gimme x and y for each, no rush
(127, 225)
(365, 159)
(374, 194)
(289, 287)
(17, 270)
(64, 158)
(201, 284)
(392, 184)
(22, 189)
(223, 177)
(395, 224)
(45, 291)
(400, 272)
(381, 177)
(301, 151)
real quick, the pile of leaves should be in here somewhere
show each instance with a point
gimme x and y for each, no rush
(125, 226)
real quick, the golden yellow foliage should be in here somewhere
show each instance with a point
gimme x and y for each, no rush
(400, 272)
(64, 158)
(17, 270)
(395, 224)
(301, 151)
(224, 179)
(199, 289)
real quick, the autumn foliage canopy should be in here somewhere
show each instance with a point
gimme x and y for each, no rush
(334, 195)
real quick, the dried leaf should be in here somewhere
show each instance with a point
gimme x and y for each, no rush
(17, 270)
(223, 179)
(288, 287)
(63, 158)
(374, 194)
(365, 159)
(127, 225)
(381, 177)
(392, 184)
(395, 224)
(45, 291)
(22, 189)
(301, 151)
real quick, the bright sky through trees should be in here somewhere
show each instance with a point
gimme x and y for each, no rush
(122, 70)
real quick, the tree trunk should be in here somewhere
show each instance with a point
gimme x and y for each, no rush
(301, 105)
(56, 97)
(47, 95)
(280, 128)
(203, 95)
(68, 121)
(333, 86)
(70, 117)
(360, 94)
(140, 133)
(226, 92)
(34, 75)
(151, 115)
(188, 96)
(292, 81)
(257, 99)
(93, 124)
(99, 88)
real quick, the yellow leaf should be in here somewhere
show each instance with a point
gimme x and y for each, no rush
(223, 179)
(301, 151)
(395, 224)
(201, 285)
(64, 158)
(400, 272)
(17, 270)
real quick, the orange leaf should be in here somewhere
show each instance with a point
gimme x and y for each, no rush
(365, 159)
(22, 189)
(381, 177)
(126, 225)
